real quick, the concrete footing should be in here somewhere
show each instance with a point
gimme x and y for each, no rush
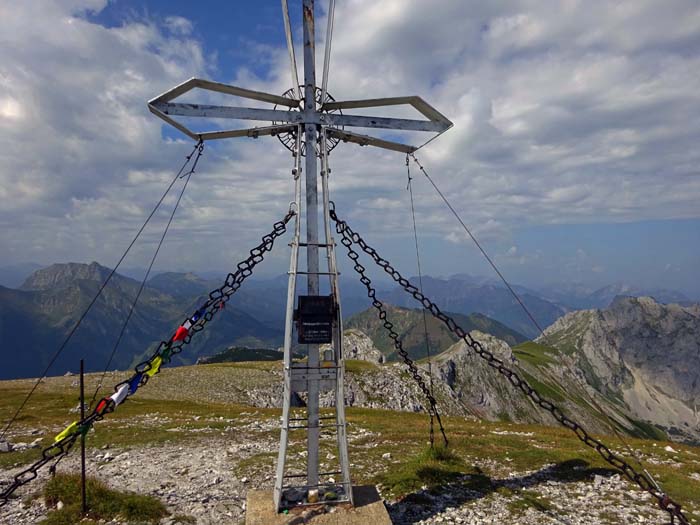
(368, 509)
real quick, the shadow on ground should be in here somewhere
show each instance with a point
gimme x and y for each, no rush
(463, 488)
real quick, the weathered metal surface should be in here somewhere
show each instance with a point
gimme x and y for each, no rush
(227, 89)
(337, 347)
(366, 140)
(248, 132)
(421, 105)
(289, 322)
(311, 230)
(229, 112)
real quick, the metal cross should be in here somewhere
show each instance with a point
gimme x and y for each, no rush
(310, 117)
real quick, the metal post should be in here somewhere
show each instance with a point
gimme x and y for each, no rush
(311, 229)
(289, 326)
(82, 438)
(338, 328)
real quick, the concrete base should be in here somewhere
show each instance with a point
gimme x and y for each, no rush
(368, 509)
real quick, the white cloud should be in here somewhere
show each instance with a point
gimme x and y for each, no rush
(178, 25)
(579, 112)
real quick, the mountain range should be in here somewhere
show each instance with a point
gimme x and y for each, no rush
(36, 318)
(638, 361)
(578, 297)
(638, 357)
(642, 355)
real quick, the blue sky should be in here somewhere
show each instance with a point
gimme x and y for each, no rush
(573, 157)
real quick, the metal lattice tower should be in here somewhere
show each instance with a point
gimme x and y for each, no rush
(310, 125)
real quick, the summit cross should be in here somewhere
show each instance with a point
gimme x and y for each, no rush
(310, 124)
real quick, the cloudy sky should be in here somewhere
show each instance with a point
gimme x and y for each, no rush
(574, 156)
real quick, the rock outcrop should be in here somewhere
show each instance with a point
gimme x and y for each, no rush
(641, 352)
(357, 345)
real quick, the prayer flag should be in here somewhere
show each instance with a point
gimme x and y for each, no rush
(120, 395)
(134, 382)
(69, 430)
(180, 334)
(155, 366)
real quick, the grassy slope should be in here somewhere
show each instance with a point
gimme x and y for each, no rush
(241, 354)
(479, 449)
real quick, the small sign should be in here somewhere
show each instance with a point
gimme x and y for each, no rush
(315, 316)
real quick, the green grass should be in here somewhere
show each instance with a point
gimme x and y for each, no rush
(404, 436)
(535, 353)
(545, 390)
(647, 430)
(49, 408)
(239, 354)
(355, 366)
(103, 503)
(431, 467)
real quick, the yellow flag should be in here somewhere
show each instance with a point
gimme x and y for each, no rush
(70, 429)
(155, 366)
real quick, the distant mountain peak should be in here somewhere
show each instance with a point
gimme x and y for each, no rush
(63, 274)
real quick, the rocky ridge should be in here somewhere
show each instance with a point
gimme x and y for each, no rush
(642, 355)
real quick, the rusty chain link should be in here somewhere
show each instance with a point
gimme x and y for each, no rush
(665, 502)
(166, 349)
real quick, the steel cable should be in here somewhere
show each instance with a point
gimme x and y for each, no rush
(148, 272)
(592, 400)
(97, 295)
(409, 187)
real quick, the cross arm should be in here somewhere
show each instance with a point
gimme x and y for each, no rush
(293, 117)
(360, 121)
(442, 123)
(218, 87)
(204, 110)
(249, 132)
(366, 140)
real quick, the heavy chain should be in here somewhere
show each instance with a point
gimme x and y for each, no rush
(219, 296)
(166, 349)
(641, 479)
(372, 294)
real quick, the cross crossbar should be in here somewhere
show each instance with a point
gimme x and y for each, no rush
(334, 123)
(297, 117)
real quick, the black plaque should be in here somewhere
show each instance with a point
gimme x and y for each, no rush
(315, 315)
